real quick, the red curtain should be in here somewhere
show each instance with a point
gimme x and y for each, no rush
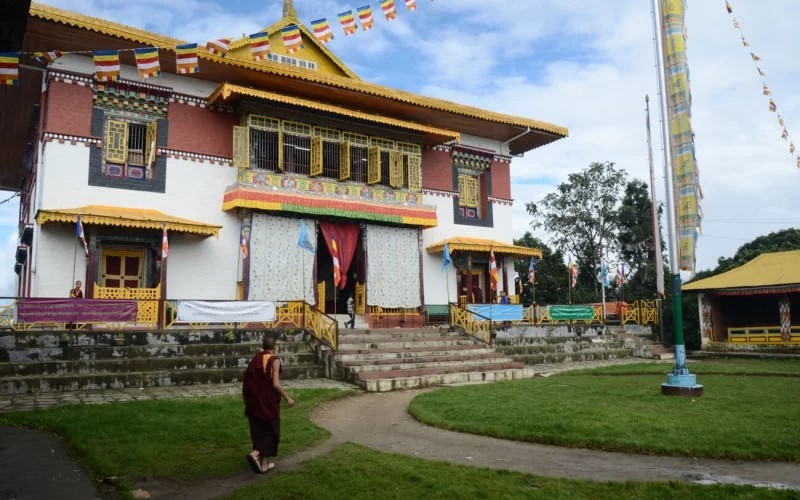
(346, 236)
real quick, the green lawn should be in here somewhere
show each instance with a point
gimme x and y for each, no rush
(789, 368)
(355, 472)
(185, 439)
(747, 417)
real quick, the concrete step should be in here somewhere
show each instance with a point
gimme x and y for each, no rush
(440, 370)
(465, 362)
(173, 363)
(566, 347)
(411, 342)
(346, 356)
(397, 334)
(567, 357)
(23, 385)
(429, 380)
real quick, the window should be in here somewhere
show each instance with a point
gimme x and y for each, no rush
(468, 191)
(296, 148)
(330, 140)
(292, 61)
(130, 148)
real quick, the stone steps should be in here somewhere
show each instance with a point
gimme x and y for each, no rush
(409, 352)
(346, 344)
(568, 357)
(398, 383)
(557, 348)
(432, 362)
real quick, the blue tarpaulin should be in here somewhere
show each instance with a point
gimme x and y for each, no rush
(498, 312)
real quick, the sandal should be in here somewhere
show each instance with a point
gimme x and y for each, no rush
(253, 461)
(269, 467)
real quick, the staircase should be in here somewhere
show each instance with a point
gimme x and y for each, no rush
(549, 350)
(390, 359)
(42, 364)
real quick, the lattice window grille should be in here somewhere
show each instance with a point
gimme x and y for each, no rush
(295, 128)
(408, 148)
(384, 144)
(263, 122)
(357, 140)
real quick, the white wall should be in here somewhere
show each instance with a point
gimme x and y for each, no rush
(197, 268)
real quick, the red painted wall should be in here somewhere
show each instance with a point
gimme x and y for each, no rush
(437, 170)
(200, 130)
(69, 109)
(501, 180)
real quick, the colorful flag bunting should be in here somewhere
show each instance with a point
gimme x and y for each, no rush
(164, 244)
(493, 275)
(365, 16)
(766, 90)
(446, 260)
(728, 6)
(760, 71)
(755, 57)
(736, 24)
(532, 272)
(772, 106)
(745, 42)
(9, 68)
(219, 47)
(573, 274)
(147, 62)
(243, 243)
(259, 45)
(322, 30)
(348, 21)
(785, 134)
(186, 59)
(292, 39)
(412, 5)
(388, 9)
(81, 235)
(48, 57)
(791, 148)
(106, 65)
(780, 120)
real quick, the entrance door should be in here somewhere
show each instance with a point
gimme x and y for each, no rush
(122, 268)
(478, 293)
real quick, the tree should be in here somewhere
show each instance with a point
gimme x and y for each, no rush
(582, 217)
(550, 275)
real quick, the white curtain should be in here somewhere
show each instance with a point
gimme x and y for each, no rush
(279, 269)
(393, 267)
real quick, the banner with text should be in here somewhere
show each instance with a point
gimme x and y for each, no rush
(75, 310)
(195, 311)
(571, 312)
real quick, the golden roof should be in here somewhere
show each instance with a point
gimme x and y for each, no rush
(141, 218)
(464, 244)
(767, 270)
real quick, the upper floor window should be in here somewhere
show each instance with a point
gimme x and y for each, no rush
(292, 61)
(130, 147)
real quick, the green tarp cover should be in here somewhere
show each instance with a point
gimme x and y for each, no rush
(571, 312)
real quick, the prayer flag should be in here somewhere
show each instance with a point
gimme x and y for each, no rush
(147, 62)
(80, 234)
(604, 273)
(791, 148)
(744, 41)
(365, 16)
(532, 272)
(493, 271)
(322, 30)
(219, 47)
(186, 59)
(292, 39)
(780, 120)
(348, 21)
(772, 106)
(164, 244)
(48, 57)
(785, 135)
(412, 5)
(736, 24)
(336, 270)
(446, 260)
(755, 57)
(798, 161)
(388, 9)
(9, 68)
(761, 72)
(728, 6)
(243, 243)
(573, 273)
(303, 241)
(259, 45)
(106, 65)
(766, 90)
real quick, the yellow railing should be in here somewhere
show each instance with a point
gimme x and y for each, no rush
(475, 325)
(361, 299)
(322, 327)
(640, 312)
(147, 300)
(321, 296)
(513, 299)
(763, 335)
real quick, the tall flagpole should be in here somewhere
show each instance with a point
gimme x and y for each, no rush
(680, 381)
(654, 208)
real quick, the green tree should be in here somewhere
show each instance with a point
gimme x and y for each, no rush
(581, 215)
(551, 275)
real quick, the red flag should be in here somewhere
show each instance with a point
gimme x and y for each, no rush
(164, 244)
(336, 270)
(493, 271)
(243, 243)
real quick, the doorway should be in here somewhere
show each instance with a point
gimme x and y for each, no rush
(356, 273)
(122, 268)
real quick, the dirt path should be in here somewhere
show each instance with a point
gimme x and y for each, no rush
(381, 421)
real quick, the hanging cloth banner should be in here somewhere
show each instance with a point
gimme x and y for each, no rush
(259, 45)
(365, 16)
(186, 59)
(348, 21)
(322, 30)
(235, 311)
(346, 237)
(147, 62)
(571, 312)
(292, 40)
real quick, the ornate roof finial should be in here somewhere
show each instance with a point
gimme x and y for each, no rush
(288, 9)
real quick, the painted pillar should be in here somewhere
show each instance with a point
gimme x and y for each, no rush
(785, 309)
(470, 299)
(706, 319)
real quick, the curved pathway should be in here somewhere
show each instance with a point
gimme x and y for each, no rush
(381, 421)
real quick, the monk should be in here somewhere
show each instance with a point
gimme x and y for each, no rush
(262, 394)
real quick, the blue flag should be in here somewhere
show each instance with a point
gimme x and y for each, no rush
(604, 273)
(303, 242)
(446, 260)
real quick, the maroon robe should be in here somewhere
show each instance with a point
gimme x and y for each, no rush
(261, 400)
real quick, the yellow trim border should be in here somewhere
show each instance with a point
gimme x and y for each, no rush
(481, 245)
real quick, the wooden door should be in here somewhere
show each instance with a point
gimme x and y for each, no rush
(122, 268)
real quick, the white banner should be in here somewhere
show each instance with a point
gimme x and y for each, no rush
(225, 312)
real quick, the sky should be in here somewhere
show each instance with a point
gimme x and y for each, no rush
(582, 64)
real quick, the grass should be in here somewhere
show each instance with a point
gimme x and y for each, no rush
(355, 472)
(740, 417)
(183, 439)
(788, 368)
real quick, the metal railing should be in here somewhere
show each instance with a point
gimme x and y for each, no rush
(763, 335)
(475, 325)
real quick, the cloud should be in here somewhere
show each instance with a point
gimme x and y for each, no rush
(8, 248)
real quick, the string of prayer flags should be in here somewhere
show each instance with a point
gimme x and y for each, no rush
(348, 21)
(219, 47)
(292, 39)
(9, 68)
(755, 57)
(772, 106)
(322, 30)
(388, 9)
(412, 5)
(365, 16)
(728, 6)
(186, 59)
(745, 42)
(48, 57)
(766, 90)
(259, 45)
(106, 65)
(147, 62)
